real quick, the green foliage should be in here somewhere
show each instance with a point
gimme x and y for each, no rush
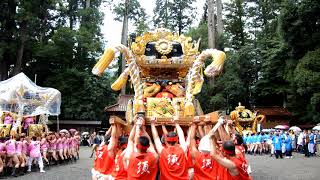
(135, 11)
(87, 96)
(176, 15)
(200, 32)
(307, 73)
(162, 14)
(235, 20)
(182, 14)
(273, 57)
(299, 26)
(142, 24)
(307, 83)
(63, 42)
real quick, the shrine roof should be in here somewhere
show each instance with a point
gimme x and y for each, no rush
(121, 105)
(273, 111)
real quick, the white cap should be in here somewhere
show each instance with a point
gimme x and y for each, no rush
(205, 144)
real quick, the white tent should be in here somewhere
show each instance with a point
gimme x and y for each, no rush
(21, 96)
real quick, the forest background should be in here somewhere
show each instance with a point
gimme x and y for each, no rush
(272, 46)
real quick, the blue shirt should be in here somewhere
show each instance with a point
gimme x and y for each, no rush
(288, 143)
(254, 139)
(245, 139)
(259, 138)
(277, 142)
(249, 140)
(311, 137)
(97, 140)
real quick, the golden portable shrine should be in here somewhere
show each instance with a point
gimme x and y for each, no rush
(166, 71)
(245, 121)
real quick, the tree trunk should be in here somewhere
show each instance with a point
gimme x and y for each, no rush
(166, 24)
(219, 18)
(87, 3)
(124, 40)
(3, 69)
(71, 10)
(211, 24)
(8, 32)
(180, 22)
(23, 39)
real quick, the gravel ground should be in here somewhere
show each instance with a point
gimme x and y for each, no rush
(264, 168)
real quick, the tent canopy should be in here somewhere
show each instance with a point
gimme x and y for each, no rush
(20, 94)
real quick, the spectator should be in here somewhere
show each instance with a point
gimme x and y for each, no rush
(306, 141)
(318, 142)
(96, 143)
(311, 143)
(294, 140)
(300, 142)
(288, 145)
(277, 143)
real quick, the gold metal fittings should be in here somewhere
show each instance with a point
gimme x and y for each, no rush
(164, 46)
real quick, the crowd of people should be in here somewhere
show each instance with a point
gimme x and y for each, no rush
(19, 153)
(205, 152)
(282, 143)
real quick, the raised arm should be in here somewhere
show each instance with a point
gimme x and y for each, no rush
(201, 131)
(164, 129)
(223, 133)
(155, 135)
(207, 129)
(113, 139)
(188, 140)
(182, 141)
(130, 148)
(108, 132)
(139, 122)
(216, 126)
(223, 161)
(192, 140)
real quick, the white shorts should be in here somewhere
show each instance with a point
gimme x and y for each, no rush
(249, 170)
(105, 177)
(99, 175)
(258, 142)
(95, 173)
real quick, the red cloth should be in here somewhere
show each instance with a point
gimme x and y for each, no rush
(142, 166)
(119, 173)
(205, 167)
(242, 167)
(189, 159)
(173, 164)
(103, 162)
(241, 149)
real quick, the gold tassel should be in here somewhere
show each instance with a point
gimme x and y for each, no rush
(189, 110)
(197, 87)
(217, 64)
(139, 107)
(119, 83)
(104, 61)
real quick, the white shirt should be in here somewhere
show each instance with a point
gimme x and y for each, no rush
(300, 139)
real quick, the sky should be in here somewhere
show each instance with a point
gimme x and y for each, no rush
(111, 29)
